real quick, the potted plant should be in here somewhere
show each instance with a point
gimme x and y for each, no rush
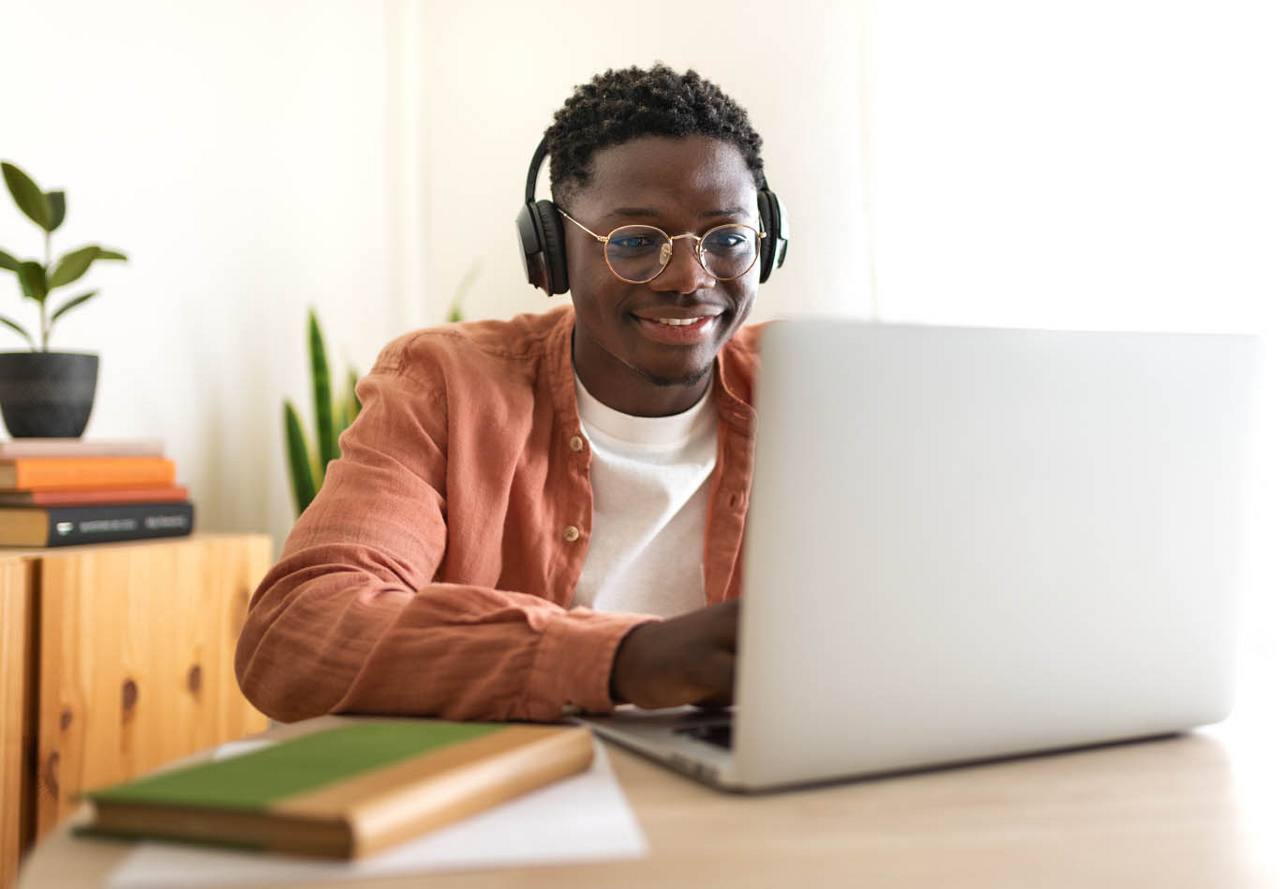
(42, 393)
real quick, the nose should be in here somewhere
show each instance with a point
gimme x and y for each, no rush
(683, 274)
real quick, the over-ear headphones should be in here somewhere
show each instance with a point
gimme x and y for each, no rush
(542, 234)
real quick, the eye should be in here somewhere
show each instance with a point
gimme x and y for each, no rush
(726, 240)
(633, 242)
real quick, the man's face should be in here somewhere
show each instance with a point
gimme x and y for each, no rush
(626, 357)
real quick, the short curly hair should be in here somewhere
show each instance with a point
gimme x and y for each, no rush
(620, 105)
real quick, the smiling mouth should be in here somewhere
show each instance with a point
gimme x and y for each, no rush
(677, 331)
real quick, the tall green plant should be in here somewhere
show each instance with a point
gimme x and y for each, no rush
(38, 280)
(307, 460)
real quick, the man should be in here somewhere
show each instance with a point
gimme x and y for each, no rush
(545, 515)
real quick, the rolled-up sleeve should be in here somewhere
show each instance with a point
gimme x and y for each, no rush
(350, 620)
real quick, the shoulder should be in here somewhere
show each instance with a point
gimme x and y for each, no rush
(432, 354)
(740, 360)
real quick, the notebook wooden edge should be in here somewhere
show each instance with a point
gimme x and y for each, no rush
(392, 805)
(377, 809)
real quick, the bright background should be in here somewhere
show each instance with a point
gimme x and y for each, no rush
(1098, 165)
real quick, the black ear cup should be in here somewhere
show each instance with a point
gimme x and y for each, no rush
(551, 228)
(542, 247)
(535, 263)
(542, 235)
(768, 246)
(773, 219)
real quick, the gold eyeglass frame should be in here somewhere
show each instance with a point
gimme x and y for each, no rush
(668, 249)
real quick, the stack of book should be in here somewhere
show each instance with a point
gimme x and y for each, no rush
(59, 492)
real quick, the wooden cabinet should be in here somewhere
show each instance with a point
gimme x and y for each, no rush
(117, 658)
(17, 729)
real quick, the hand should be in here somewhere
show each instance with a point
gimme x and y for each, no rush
(684, 660)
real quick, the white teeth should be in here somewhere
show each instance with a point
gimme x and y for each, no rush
(677, 322)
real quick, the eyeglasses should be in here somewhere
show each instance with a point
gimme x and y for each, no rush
(637, 254)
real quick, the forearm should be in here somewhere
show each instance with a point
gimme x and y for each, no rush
(324, 637)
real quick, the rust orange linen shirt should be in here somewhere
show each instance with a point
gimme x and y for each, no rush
(434, 572)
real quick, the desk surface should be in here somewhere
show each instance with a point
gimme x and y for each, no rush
(1197, 810)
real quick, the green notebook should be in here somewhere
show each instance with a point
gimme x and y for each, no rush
(344, 791)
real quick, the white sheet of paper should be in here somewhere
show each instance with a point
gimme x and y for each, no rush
(583, 818)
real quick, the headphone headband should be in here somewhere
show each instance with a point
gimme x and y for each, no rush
(535, 165)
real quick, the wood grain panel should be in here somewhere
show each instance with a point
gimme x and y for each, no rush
(17, 735)
(136, 659)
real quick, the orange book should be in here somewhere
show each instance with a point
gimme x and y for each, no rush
(61, 473)
(88, 496)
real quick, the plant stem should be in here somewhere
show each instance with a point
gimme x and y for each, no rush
(44, 327)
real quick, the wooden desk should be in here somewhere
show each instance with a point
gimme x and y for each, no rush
(1189, 811)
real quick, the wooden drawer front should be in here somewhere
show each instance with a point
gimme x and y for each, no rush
(136, 660)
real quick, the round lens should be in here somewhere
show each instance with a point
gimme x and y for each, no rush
(637, 253)
(729, 251)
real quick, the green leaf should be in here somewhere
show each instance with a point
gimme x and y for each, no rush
(348, 404)
(13, 325)
(71, 304)
(322, 393)
(111, 254)
(34, 285)
(341, 417)
(300, 466)
(27, 195)
(353, 400)
(8, 262)
(57, 208)
(74, 264)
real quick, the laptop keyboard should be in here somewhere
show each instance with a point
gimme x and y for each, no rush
(718, 733)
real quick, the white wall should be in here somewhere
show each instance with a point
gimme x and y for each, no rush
(244, 155)
(1092, 164)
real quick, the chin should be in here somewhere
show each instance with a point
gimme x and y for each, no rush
(676, 376)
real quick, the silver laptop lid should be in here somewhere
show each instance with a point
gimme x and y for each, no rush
(967, 543)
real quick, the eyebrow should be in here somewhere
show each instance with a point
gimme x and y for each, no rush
(649, 212)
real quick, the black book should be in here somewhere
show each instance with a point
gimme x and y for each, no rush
(38, 526)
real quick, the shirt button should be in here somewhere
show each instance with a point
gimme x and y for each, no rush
(572, 533)
(575, 443)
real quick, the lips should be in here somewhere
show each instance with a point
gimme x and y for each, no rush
(678, 313)
(674, 328)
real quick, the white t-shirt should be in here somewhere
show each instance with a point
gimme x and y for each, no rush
(649, 481)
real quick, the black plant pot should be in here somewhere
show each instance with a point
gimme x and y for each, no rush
(47, 394)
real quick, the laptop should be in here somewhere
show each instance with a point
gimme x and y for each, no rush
(968, 544)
